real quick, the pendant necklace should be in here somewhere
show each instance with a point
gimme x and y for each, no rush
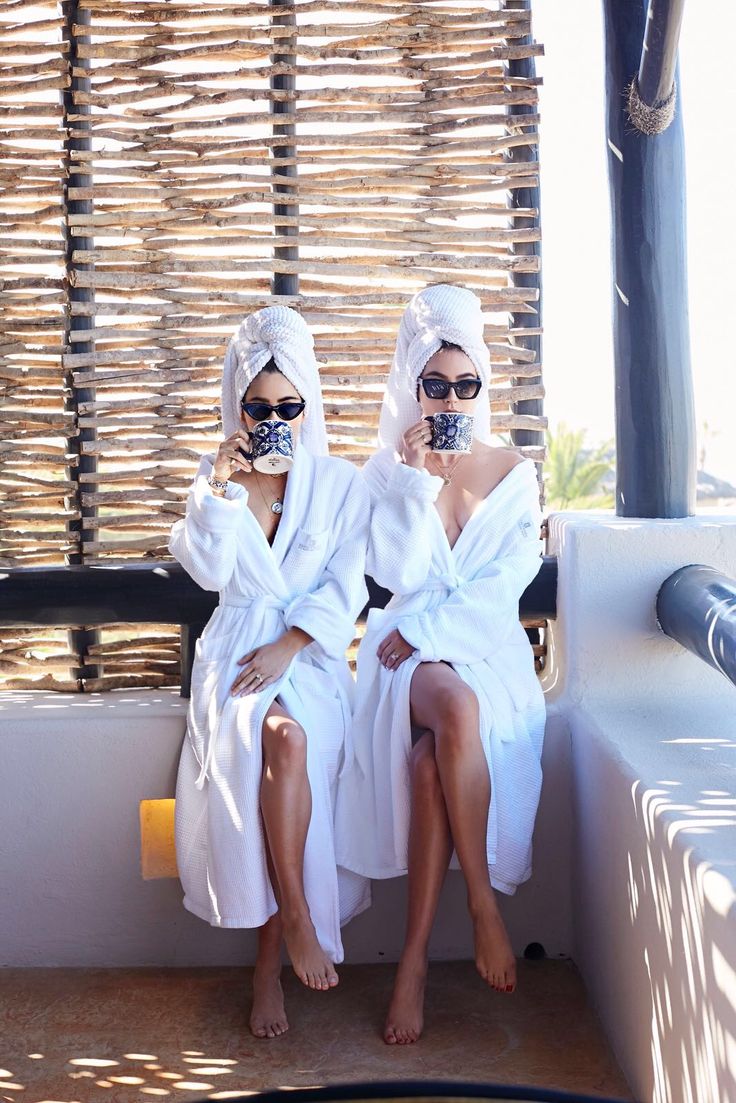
(277, 505)
(447, 478)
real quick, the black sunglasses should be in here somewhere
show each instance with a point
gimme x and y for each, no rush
(465, 389)
(261, 411)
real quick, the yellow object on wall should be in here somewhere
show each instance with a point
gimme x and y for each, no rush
(158, 851)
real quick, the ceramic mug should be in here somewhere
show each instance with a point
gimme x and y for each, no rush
(451, 432)
(272, 447)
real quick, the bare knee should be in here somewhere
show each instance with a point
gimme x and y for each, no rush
(424, 773)
(457, 706)
(284, 744)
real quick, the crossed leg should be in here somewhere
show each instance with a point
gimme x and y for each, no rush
(451, 795)
(286, 808)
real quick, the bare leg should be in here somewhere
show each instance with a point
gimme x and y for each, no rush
(442, 702)
(268, 1016)
(430, 849)
(286, 806)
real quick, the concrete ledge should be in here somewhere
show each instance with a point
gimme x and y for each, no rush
(655, 892)
(654, 795)
(76, 768)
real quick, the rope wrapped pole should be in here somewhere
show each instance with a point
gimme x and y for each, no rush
(655, 418)
(652, 93)
(80, 639)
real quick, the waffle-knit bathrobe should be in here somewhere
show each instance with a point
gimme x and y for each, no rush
(311, 577)
(460, 605)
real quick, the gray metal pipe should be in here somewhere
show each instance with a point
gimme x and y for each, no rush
(697, 607)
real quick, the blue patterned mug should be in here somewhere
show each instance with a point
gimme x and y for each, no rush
(451, 432)
(272, 447)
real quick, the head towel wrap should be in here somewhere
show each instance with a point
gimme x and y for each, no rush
(281, 333)
(442, 312)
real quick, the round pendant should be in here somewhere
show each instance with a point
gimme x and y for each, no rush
(276, 507)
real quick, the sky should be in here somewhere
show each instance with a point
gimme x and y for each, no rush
(578, 356)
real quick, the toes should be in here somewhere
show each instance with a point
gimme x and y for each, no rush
(333, 980)
(389, 1036)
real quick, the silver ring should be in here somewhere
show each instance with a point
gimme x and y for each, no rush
(259, 677)
(394, 655)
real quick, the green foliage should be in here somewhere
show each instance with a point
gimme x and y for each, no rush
(573, 473)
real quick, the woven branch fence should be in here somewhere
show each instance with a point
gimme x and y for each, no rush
(167, 168)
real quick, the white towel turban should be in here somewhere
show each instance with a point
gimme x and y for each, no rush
(442, 312)
(281, 333)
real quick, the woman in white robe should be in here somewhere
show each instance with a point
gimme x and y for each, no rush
(271, 691)
(449, 716)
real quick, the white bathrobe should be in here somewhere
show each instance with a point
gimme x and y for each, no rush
(460, 605)
(311, 577)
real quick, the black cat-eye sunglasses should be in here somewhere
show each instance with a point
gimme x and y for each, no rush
(261, 411)
(465, 389)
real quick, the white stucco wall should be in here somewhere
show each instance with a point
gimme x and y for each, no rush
(654, 802)
(74, 771)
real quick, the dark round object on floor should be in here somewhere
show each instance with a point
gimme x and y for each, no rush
(535, 951)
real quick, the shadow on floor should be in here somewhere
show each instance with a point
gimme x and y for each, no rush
(125, 1035)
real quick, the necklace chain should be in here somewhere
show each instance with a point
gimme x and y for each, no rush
(448, 476)
(277, 502)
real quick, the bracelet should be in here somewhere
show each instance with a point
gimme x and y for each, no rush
(217, 484)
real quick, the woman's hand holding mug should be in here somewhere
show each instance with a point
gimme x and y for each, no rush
(416, 443)
(229, 457)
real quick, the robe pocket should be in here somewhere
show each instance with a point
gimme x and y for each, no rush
(306, 555)
(208, 694)
(214, 643)
(518, 675)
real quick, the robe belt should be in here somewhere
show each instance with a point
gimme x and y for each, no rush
(261, 601)
(443, 582)
(258, 605)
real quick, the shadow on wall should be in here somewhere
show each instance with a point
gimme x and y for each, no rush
(692, 984)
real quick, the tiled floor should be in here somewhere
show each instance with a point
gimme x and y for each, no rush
(127, 1035)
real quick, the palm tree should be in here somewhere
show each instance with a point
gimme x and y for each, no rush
(573, 474)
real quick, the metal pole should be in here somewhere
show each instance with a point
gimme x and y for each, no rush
(283, 283)
(80, 639)
(659, 50)
(655, 420)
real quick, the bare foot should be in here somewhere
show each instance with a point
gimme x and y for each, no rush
(267, 1016)
(405, 1017)
(309, 961)
(494, 957)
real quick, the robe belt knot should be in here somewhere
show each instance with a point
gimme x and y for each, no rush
(446, 581)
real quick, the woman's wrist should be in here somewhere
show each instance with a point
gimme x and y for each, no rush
(296, 639)
(217, 483)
